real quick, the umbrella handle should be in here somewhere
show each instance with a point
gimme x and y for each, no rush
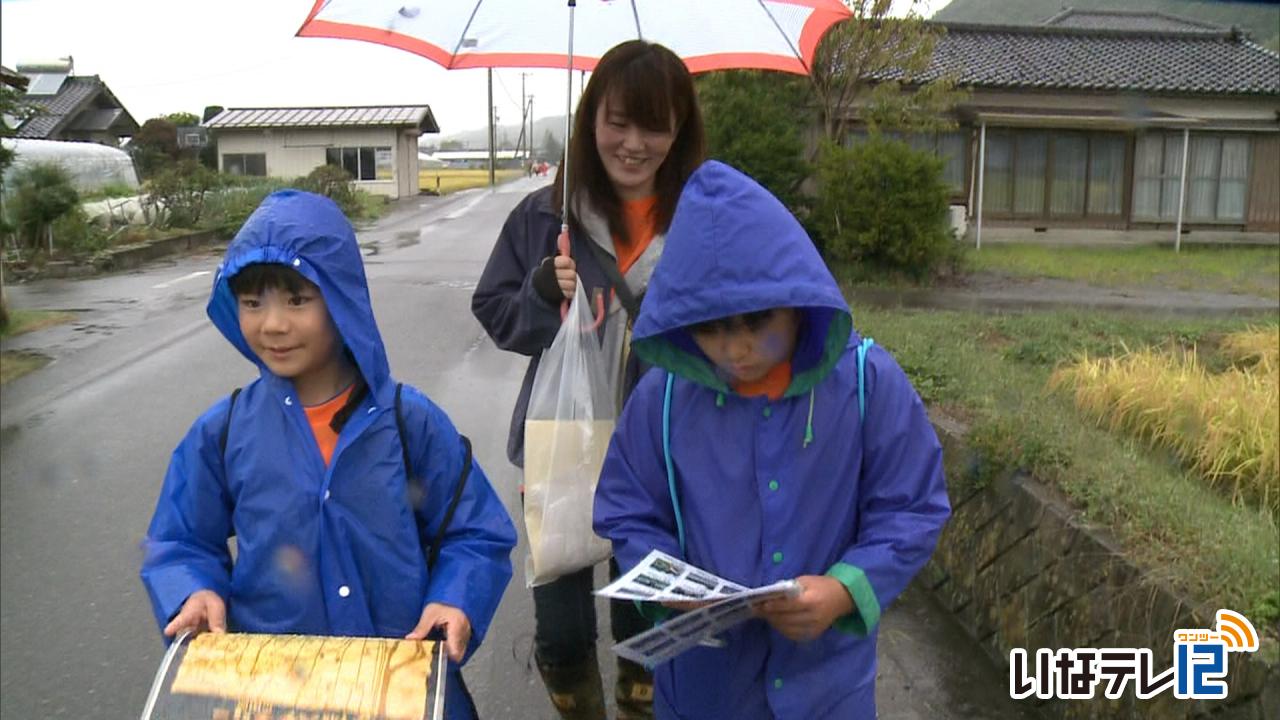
(562, 247)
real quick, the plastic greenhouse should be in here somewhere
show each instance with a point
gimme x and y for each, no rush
(91, 166)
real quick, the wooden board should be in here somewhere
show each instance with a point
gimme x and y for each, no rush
(265, 677)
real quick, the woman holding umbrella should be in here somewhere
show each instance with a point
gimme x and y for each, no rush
(637, 136)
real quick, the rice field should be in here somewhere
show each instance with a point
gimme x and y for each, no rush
(1225, 425)
(451, 180)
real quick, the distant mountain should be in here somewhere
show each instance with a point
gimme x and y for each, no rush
(508, 135)
(1260, 19)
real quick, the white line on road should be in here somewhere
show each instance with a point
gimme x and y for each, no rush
(466, 208)
(184, 278)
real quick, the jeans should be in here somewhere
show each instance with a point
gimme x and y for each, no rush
(565, 614)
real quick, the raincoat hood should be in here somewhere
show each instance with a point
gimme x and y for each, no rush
(734, 248)
(308, 233)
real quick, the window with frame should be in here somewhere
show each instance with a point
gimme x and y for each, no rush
(254, 164)
(362, 163)
(1216, 183)
(1059, 174)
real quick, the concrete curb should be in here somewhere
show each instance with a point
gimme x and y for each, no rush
(124, 257)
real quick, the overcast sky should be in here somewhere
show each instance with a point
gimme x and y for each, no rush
(163, 56)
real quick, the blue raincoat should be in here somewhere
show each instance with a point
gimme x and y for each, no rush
(334, 550)
(769, 490)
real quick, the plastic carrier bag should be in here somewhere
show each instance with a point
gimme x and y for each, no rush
(567, 427)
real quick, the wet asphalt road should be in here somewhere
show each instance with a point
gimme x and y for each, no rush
(85, 442)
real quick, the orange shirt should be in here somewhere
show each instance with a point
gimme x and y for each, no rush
(772, 385)
(319, 416)
(637, 215)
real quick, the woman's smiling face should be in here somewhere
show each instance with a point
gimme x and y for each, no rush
(631, 154)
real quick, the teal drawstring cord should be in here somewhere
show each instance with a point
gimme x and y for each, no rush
(808, 426)
(671, 470)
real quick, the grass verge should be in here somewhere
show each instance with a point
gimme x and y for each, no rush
(1239, 270)
(451, 180)
(992, 371)
(14, 365)
(21, 321)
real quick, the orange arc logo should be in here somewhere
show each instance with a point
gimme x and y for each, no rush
(1236, 631)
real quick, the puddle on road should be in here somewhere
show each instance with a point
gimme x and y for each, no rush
(406, 238)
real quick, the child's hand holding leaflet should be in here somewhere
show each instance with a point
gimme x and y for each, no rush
(722, 604)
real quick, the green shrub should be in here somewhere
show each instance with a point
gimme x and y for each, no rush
(74, 233)
(882, 203)
(182, 189)
(231, 205)
(111, 190)
(41, 194)
(334, 183)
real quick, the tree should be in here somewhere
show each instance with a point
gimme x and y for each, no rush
(155, 146)
(42, 193)
(11, 107)
(452, 145)
(864, 63)
(552, 149)
(771, 146)
(180, 119)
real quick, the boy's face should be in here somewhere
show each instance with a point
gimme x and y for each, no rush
(290, 331)
(746, 347)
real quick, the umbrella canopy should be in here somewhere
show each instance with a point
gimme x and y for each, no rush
(707, 34)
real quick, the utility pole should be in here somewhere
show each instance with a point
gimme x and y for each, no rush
(492, 180)
(531, 128)
(524, 115)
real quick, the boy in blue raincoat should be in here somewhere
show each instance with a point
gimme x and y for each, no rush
(306, 467)
(745, 452)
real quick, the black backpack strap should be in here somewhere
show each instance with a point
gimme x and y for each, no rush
(226, 427)
(609, 265)
(434, 552)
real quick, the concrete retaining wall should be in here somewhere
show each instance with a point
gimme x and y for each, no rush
(1020, 570)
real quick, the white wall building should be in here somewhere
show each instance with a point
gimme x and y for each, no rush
(377, 145)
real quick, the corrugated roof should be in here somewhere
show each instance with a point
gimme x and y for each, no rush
(419, 116)
(1060, 58)
(51, 112)
(1129, 20)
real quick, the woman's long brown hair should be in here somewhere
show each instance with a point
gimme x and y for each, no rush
(652, 85)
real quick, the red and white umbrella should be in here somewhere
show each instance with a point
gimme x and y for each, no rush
(706, 34)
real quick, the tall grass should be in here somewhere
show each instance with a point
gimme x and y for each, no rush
(1224, 425)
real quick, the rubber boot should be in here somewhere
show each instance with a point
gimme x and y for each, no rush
(576, 691)
(634, 691)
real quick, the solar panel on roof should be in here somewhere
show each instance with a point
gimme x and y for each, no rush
(46, 83)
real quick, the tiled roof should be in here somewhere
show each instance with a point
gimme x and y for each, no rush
(1057, 58)
(53, 111)
(1128, 20)
(368, 116)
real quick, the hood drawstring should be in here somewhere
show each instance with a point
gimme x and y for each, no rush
(808, 426)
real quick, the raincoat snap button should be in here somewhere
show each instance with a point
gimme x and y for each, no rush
(288, 400)
(767, 411)
(296, 262)
(777, 683)
(344, 591)
(773, 485)
(777, 557)
(326, 494)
